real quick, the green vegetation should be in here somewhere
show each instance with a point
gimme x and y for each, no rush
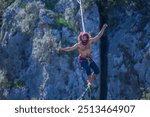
(73, 11)
(18, 83)
(62, 22)
(7, 83)
(31, 16)
(24, 5)
(86, 3)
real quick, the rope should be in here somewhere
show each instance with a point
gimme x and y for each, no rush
(84, 93)
(81, 11)
(83, 28)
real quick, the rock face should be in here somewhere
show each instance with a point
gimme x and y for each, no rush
(31, 68)
(129, 45)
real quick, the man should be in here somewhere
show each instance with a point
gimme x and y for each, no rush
(84, 48)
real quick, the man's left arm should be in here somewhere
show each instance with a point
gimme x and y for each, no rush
(100, 34)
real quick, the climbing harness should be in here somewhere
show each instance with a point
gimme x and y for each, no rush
(88, 59)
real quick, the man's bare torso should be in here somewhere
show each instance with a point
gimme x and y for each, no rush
(84, 50)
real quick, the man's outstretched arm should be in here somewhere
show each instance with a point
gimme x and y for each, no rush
(100, 34)
(68, 48)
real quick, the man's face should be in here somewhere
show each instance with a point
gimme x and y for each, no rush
(84, 38)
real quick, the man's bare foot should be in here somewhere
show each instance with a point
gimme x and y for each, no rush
(89, 83)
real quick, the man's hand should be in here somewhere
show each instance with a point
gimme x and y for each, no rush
(58, 49)
(105, 26)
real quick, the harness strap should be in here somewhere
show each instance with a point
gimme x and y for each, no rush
(89, 61)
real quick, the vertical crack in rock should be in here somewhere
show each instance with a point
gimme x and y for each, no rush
(103, 51)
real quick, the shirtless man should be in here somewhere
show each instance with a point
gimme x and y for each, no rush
(84, 48)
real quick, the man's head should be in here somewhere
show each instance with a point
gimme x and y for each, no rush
(84, 38)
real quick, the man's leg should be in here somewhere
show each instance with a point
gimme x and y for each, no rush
(95, 69)
(87, 68)
(93, 76)
(89, 81)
